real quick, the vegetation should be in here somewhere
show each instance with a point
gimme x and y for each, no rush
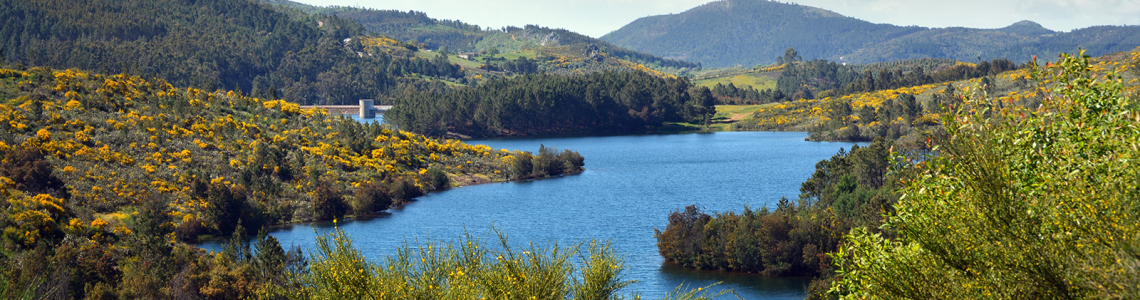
(269, 51)
(548, 104)
(1020, 202)
(455, 36)
(907, 114)
(1023, 194)
(469, 269)
(106, 177)
(850, 190)
(801, 80)
(754, 32)
(101, 143)
(793, 79)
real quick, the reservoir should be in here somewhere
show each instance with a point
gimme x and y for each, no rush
(630, 186)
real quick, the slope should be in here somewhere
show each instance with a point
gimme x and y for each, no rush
(752, 32)
(457, 36)
(269, 50)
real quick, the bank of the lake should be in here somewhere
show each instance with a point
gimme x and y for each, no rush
(630, 185)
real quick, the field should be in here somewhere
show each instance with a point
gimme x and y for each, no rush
(470, 64)
(759, 81)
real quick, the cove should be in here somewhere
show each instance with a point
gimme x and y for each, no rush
(630, 186)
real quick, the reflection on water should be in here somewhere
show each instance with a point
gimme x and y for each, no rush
(630, 186)
(743, 283)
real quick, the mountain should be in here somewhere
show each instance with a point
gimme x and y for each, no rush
(417, 27)
(750, 32)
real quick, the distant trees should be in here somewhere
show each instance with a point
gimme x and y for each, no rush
(265, 50)
(790, 56)
(818, 76)
(548, 162)
(731, 94)
(849, 190)
(544, 104)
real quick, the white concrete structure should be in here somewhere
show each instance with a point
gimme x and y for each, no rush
(366, 109)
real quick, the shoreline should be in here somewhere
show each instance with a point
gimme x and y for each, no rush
(385, 212)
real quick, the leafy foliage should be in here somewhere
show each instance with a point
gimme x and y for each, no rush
(1020, 202)
(464, 269)
(849, 190)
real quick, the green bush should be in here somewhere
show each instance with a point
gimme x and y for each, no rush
(369, 198)
(328, 203)
(1019, 202)
(468, 269)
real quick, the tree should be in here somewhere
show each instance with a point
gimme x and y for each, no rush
(328, 203)
(1020, 202)
(225, 205)
(369, 198)
(790, 56)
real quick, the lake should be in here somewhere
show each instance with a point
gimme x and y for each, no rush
(630, 186)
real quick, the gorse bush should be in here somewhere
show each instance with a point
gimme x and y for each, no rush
(464, 269)
(468, 269)
(219, 157)
(1036, 202)
(105, 178)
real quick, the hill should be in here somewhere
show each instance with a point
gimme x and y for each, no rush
(456, 36)
(101, 171)
(752, 32)
(910, 113)
(267, 50)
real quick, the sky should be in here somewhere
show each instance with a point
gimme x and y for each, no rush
(598, 17)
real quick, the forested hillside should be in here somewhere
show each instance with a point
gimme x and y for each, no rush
(546, 104)
(456, 36)
(265, 50)
(793, 79)
(752, 32)
(911, 113)
(122, 171)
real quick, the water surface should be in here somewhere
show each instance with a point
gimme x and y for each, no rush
(630, 186)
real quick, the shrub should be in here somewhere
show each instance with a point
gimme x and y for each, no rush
(1020, 202)
(521, 165)
(464, 269)
(328, 203)
(369, 198)
(32, 174)
(437, 179)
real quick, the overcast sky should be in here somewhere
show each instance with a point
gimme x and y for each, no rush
(598, 17)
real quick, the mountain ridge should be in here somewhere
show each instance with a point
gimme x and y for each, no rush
(752, 32)
(459, 36)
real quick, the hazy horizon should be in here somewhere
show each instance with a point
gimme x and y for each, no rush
(599, 17)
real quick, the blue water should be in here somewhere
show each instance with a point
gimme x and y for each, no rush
(378, 119)
(630, 186)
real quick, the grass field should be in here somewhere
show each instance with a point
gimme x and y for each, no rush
(529, 54)
(728, 114)
(470, 64)
(759, 81)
